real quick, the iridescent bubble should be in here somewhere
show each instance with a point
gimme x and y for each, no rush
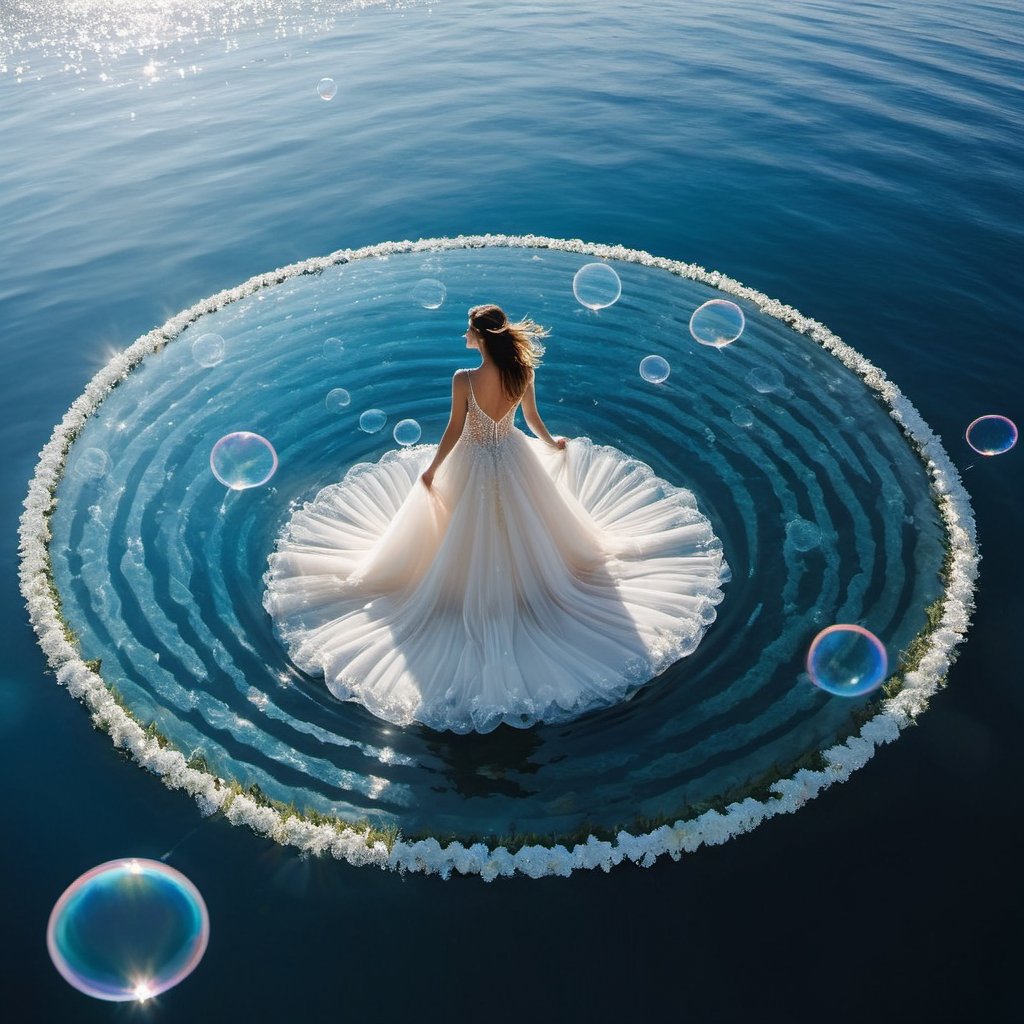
(654, 369)
(242, 460)
(208, 349)
(742, 416)
(802, 534)
(847, 661)
(327, 88)
(407, 432)
(128, 930)
(717, 323)
(333, 348)
(337, 399)
(429, 293)
(596, 286)
(92, 464)
(765, 379)
(992, 435)
(373, 420)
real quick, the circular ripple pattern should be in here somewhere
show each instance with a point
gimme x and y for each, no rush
(158, 567)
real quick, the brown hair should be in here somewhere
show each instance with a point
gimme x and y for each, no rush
(514, 347)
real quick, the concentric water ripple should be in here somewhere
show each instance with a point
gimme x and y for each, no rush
(833, 500)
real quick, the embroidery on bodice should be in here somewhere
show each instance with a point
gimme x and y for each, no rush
(482, 430)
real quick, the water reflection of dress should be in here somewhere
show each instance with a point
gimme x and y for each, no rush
(527, 584)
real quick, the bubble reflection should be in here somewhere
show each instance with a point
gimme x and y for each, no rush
(327, 88)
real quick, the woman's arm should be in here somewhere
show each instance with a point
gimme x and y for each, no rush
(533, 420)
(456, 421)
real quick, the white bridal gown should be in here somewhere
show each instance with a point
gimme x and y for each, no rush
(528, 584)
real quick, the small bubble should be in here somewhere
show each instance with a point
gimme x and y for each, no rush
(596, 286)
(742, 416)
(372, 420)
(429, 293)
(337, 399)
(242, 460)
(802, 534)
(92, 464)
(407, 432)
(333, 348)
(717, 323)
(765, 379)
(654, 369)
(327, 88)
(208, 349)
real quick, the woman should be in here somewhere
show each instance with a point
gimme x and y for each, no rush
(510, 580)
(504, 379)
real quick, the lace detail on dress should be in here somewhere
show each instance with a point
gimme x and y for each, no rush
(480, 428)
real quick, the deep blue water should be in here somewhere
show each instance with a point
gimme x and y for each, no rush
(859, 161)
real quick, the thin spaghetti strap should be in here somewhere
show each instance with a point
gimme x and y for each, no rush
(469, 378)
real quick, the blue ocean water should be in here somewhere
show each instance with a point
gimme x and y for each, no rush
(860, 161)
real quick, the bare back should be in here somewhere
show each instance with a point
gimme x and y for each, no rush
(489, 394)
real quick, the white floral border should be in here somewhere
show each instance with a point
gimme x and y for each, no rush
(429, 856)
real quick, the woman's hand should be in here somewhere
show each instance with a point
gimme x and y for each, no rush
(560, 443)
(427, 476)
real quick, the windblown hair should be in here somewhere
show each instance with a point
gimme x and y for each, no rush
(515, 347)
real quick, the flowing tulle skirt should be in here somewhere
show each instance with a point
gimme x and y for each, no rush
(526, 585)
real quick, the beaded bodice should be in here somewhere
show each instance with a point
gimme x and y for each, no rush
(481, 429)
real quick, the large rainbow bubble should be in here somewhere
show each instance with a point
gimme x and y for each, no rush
(128, 930)
(992, 435)
(847, 661)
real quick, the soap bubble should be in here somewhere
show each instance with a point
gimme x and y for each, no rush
(92, 464)
(334, 348)
(337, 399)
(242, 460)
(429, 293)
(992, 435)
(128, 929)
(847, 661)
(765, 379)
(373, 420)
(327, 88)
(596, 286)
(654, 369)
(407, 432)
(742, 416)
(802, 534)
(208, 349)
(717, 323)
